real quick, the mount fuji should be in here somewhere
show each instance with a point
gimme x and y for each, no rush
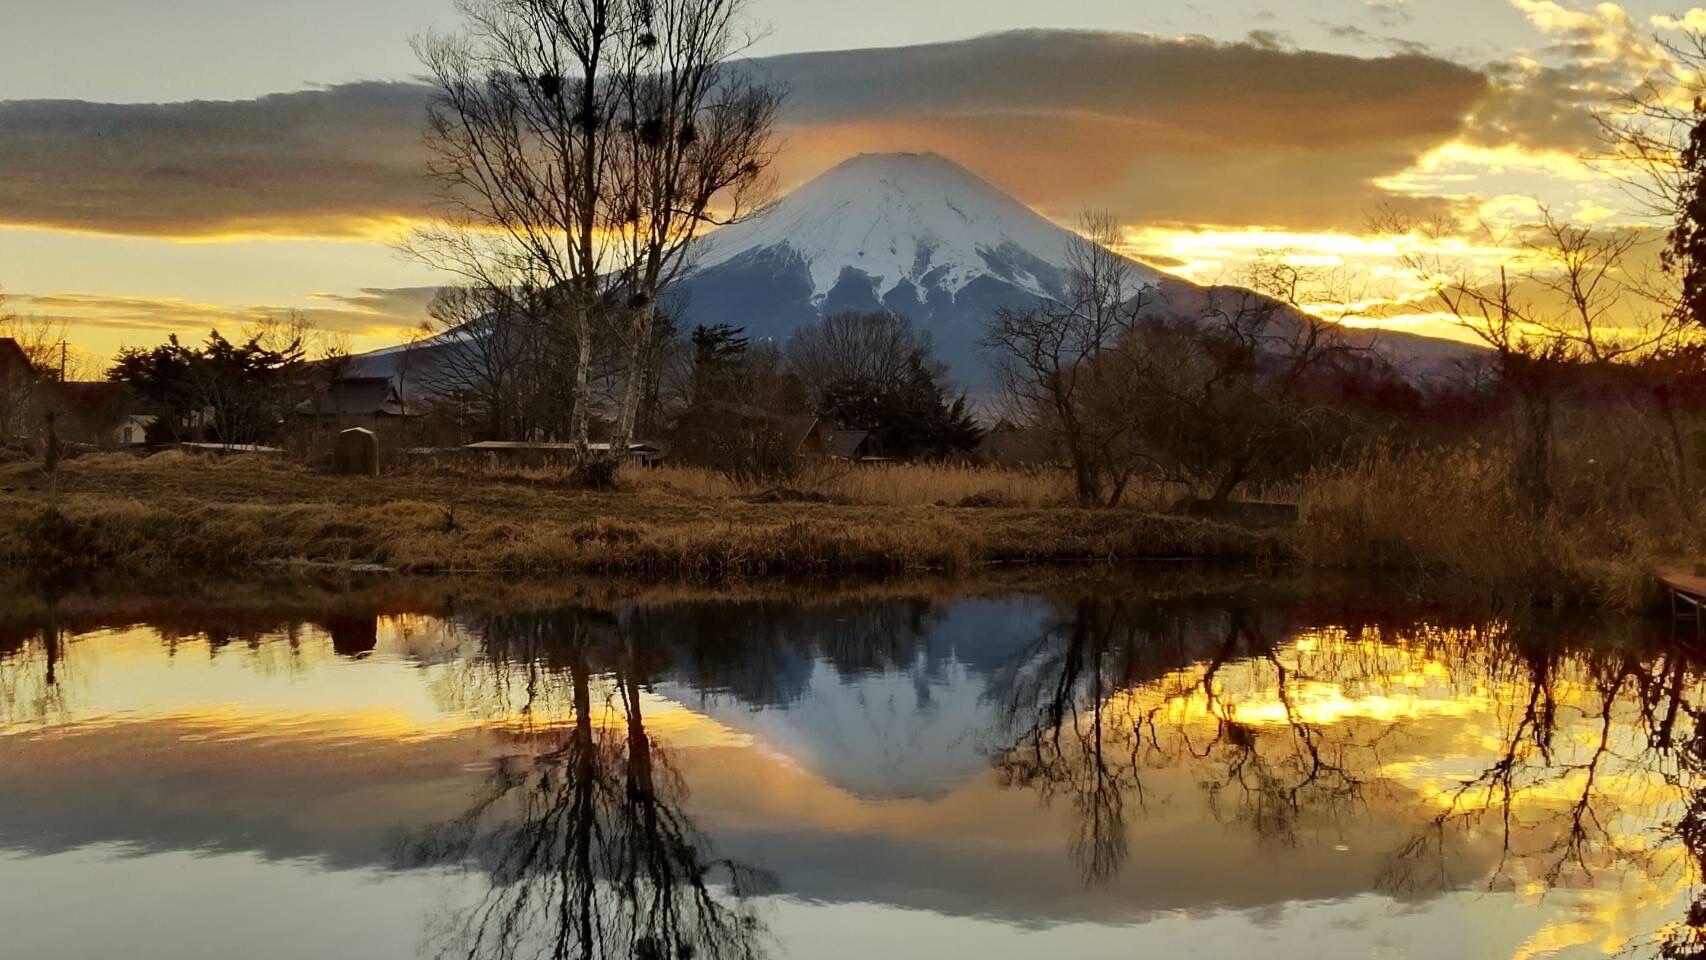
(912, 233)
(919, 235)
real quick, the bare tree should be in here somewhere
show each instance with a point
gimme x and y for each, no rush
(580, 146)
(521, 130)
(1229, 394)
(1048, 359)
(873, 347)
(1563, 298)
(1646, 130)
(490, 346)
(695, 144)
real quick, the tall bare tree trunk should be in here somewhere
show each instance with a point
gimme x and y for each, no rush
(579, 426)
(645, 317)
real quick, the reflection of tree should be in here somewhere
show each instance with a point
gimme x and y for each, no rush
(1307, 766)
(1114, 688)
(584, 838)
(1592, 743)
(32, 667)
(1055, 699)
(1552, 790)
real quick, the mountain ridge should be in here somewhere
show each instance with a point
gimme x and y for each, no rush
(919, 235)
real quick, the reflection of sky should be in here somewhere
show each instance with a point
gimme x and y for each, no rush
(280, 773)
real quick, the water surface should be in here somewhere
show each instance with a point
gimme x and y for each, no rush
(1086, 770)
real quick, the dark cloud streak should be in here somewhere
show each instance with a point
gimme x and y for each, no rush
(316, 162)
(1158, 130)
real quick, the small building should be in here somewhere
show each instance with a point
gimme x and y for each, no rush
(357, 401)
(14, 363)
(89, 411)
(1006, 444)
(810, 436)
(132, 430)
(798, 435)
(18, 392)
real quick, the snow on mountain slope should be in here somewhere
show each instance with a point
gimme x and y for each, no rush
(907, 217)
(912, 233)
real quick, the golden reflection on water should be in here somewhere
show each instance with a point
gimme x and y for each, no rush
(1435, 715)
(1405, 762)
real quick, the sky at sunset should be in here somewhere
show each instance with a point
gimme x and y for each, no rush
(170, 167)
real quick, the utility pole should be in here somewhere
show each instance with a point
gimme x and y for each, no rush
(63, 347)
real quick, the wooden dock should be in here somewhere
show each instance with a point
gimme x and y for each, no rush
(1687, 589)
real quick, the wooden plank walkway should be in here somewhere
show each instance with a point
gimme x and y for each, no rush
(1687, 588)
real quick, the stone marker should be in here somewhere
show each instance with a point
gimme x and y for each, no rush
(356, 453)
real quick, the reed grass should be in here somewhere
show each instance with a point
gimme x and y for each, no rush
(1455, 512)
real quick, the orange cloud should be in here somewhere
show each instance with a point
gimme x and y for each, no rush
(1157, 129)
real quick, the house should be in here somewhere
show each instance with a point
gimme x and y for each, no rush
(17, 391)
(803, 435)
(1007, 444)
(14, 363)
(357, 401)
(132, 430)
(90, 411)
(810, 436)
(798, 435)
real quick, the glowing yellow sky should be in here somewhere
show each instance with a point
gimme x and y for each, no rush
(1212, 154)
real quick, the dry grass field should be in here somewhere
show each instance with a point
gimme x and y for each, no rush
(173, 512)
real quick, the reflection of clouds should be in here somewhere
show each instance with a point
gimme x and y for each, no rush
(278, 744)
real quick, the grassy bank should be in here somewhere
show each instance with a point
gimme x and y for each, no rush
(1455, 514)
(1438, 515)
(119, 515)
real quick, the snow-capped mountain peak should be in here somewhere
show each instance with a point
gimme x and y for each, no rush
(912, 233)
(901, 217)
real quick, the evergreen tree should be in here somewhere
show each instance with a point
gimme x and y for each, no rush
(234, 392)
(1686, 255)
(910, 418)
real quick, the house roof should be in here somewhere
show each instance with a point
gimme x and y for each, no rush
(846, 444)
(12, 356)
(1007, 442)
(356, 396)
(794, 429)
(791, 429)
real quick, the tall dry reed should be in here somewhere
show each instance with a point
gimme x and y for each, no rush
(1615, 515)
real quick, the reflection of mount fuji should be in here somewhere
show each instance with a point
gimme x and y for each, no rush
(889, 699)
(883, 702)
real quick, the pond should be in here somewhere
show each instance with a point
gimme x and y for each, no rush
(1072, 768)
